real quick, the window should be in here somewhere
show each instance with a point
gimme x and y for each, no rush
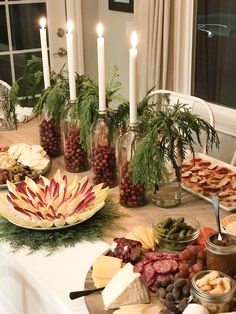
(215, 66)
(20, 37)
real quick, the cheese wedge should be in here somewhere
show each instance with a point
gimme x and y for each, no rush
(126, 288)
(104, 268)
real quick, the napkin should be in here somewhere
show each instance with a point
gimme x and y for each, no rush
(196, 309)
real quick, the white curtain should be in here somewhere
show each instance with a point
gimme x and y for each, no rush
(165, 44)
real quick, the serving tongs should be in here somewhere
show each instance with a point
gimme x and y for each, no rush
(83, 293)
(216, 205)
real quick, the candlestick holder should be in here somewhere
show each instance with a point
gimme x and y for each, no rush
(50, 134)
(131, 195)
(76, 158)
(103, 156)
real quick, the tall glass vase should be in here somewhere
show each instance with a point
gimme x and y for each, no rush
(76, 158)
(103, 152)
(50, 134)
(131, 195)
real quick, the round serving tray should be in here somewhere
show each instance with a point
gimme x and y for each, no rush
(42, 172)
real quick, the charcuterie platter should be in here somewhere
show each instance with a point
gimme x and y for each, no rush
(206, 176)
(140, 275)
(21, 160)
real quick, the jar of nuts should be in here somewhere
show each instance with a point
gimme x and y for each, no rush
(131, 195)
(75, 156)
(50, 134)
(103, 152)
(214, 290)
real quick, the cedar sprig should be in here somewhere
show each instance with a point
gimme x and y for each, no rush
(170, 133)
(52, 101)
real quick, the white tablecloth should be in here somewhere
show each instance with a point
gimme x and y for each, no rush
(40, 284)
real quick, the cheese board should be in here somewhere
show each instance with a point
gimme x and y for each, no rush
(206, 176)
(156, 267)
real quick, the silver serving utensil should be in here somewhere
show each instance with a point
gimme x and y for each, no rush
(216, 205)
(82, 293)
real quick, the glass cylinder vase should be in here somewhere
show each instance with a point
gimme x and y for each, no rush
(76, 158)
(50, 134)
(168, 194)
(131, 195)
(103, 153)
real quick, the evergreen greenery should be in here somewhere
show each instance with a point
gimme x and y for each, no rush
(52, 100)
(99, 226)
(30, 83)
(169, 133)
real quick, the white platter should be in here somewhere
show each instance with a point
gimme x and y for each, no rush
(218, 163)
(42, 172)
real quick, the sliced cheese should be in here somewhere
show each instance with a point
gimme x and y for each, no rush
(104, 268)
(126, 287)
(144, 235)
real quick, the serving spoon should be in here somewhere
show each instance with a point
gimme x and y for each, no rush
(216, 205)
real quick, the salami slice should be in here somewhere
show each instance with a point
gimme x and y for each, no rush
(162, 266)
(174, 266)
(139, 267)
(161, 256)
(149, 274)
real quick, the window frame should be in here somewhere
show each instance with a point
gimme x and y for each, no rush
(225, 118)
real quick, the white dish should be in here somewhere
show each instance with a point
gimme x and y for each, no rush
(218, 163)
(42, 172)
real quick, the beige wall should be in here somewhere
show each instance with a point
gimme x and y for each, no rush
(117, 26)
(90, 18)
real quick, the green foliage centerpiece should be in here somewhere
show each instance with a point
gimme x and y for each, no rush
(170, 131)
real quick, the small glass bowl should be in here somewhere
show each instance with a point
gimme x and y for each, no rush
(215, 303)
(175, 240)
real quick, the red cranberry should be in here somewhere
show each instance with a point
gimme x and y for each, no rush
(50, 137)
(130, 195)
(76, 158)
(104, 165)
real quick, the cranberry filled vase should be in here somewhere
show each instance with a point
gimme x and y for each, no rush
(76, 158)
(131, 195)
(50, 134)
(103, 152)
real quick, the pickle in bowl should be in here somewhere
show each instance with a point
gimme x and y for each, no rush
(175, 232)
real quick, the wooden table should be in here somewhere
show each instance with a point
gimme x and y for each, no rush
(71, 277)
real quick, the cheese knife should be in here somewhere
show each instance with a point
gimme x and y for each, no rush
(82, 293)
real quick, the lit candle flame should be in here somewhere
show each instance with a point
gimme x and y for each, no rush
(69, 27)
(42, 22)
(134, 39)
(100, 29)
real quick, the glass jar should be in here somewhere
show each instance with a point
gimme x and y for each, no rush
(131, 195)
(50, 134)
(76, 158)
(214, 303)
(168, 195)
(103, 152)
(221, 255)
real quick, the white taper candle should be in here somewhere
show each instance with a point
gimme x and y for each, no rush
(132, 78)
(43, 39)
(101, 68)
(70, 61)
